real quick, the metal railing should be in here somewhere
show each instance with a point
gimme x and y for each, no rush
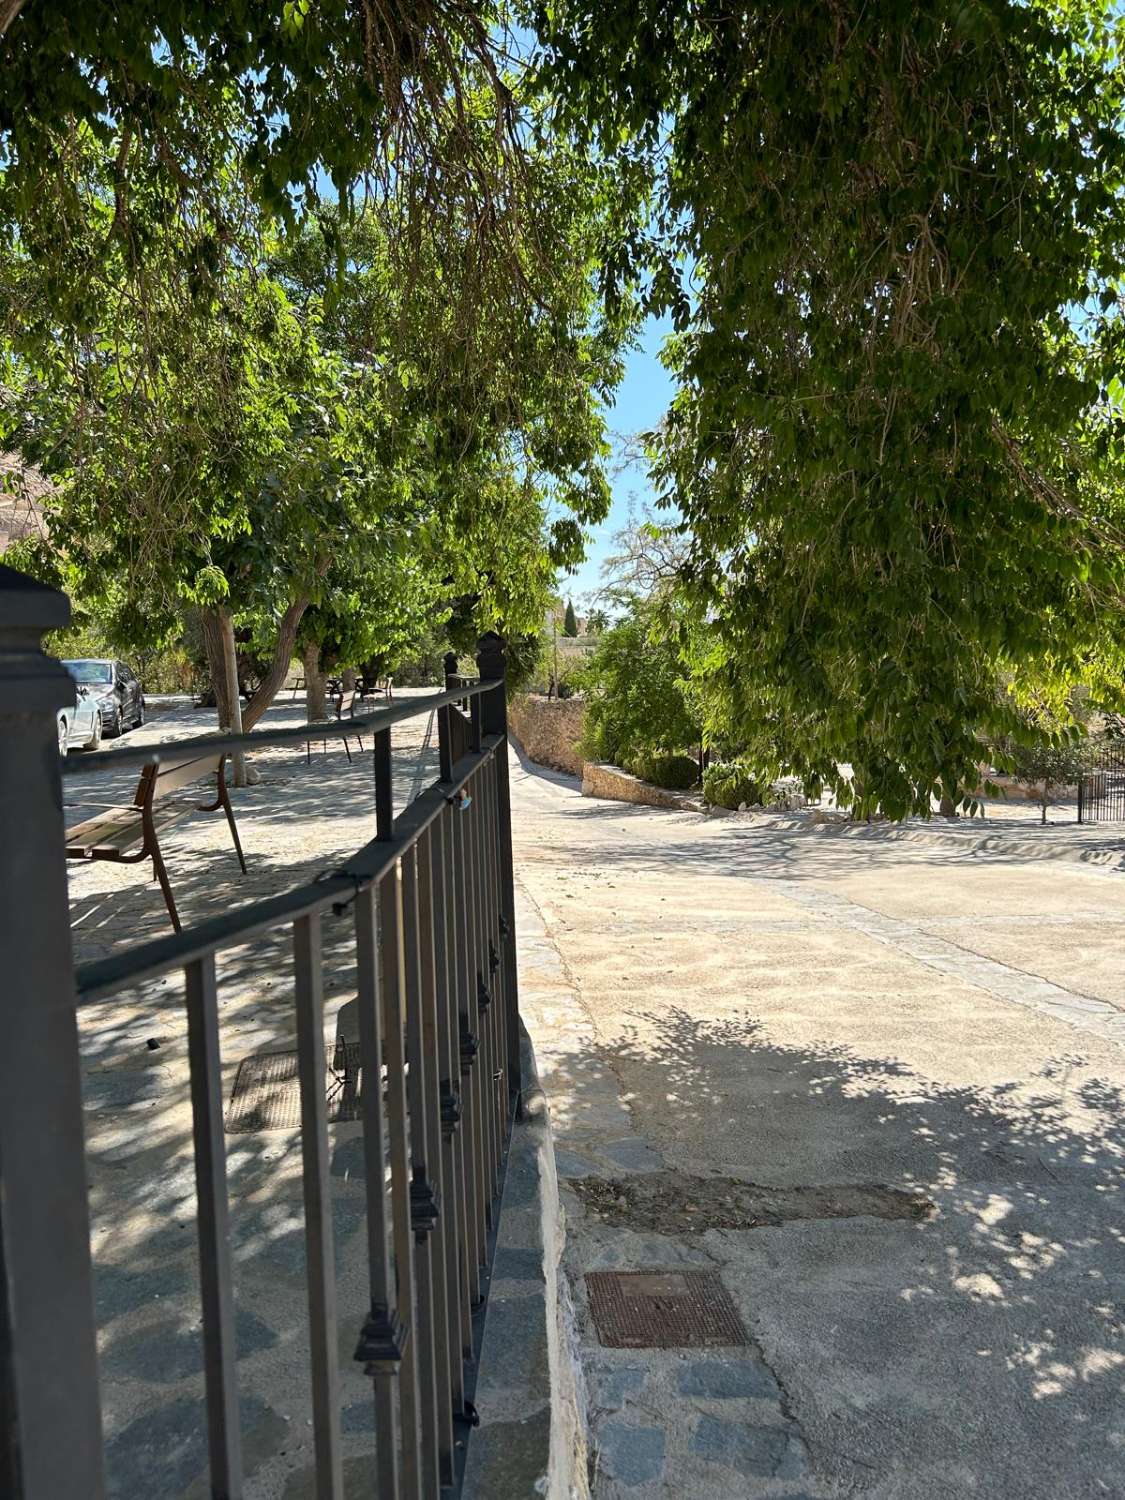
(1101, 790)
(432, 900)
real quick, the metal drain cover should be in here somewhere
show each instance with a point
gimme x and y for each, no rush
(663, 1310)
(267, 1090)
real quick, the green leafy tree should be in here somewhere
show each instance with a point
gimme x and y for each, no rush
(1048, 756)
(304, 94)
(897, 437)
(289, 424)
(570, 623)
(637, 700)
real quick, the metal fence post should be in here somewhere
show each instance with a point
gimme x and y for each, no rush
(492, 662)
(50, 1423)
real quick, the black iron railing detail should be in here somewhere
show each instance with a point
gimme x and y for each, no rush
(432, 896)
(1101, 791)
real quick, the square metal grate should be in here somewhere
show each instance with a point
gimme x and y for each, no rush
(663, 1310)
(267, 1090)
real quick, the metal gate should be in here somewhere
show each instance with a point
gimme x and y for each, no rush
(1101, 791)
(430, 899)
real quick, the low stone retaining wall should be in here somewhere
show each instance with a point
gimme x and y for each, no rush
(549, 729)
(619, 786)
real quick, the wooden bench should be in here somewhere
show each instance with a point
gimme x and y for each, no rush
(343, 705)
(126, 834)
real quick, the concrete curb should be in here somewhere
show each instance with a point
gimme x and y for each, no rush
(532, 1437)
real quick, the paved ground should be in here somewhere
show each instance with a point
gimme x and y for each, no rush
(751, 1031)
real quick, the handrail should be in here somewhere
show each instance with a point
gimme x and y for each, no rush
(378, 719)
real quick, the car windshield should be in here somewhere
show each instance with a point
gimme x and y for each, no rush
(90, 671)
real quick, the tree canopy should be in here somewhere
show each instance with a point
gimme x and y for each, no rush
(890, 236)
(275, 421)
(888, 232)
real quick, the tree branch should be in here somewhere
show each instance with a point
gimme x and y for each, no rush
(9, 10)
(279, 666)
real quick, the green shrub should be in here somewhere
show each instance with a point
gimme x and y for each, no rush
(730, 784)
(635, 692)
(675, 773)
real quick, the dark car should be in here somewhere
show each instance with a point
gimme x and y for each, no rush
(115, 690)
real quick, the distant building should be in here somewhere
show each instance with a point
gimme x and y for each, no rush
(556, 617)
(22, 492)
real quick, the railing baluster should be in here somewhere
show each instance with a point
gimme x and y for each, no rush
(453, 1193)
(320, 1266)
(394, 1000)
(494, 943)
(470, 1061)
(461, 1060)
(492, 664)
(424, 1206)
(220, 1355)
(435, 1161)
(383, 1340)
(488, 1017)
(480, 1023)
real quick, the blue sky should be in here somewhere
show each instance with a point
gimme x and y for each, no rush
(642, 398)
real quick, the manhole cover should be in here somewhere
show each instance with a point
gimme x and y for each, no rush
(663, 1310)
(267, 1091)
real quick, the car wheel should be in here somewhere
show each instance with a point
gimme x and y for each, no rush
(140, 713)
(64, 736)
(94, 742)
(114, 725)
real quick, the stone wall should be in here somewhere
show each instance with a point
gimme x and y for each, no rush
(619, 786)
(548, 729)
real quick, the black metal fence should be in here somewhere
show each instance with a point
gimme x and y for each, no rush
(432, 900)
(1101, 791)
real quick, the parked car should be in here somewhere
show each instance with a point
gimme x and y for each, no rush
(115, 690)
(80, 725)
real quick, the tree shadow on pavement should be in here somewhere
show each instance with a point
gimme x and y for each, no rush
(981, 1351)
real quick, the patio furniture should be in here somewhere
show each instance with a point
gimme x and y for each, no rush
(127, 833)
(374, 687)
(344, 705)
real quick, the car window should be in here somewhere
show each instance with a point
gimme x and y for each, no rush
(90, 672)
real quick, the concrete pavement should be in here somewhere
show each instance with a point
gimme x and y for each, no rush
(750, 1029)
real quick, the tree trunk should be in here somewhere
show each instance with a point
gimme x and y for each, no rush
(234, 698)
(278, 670)
(9, 10)
(211, 623)
(314, 685)
(347, 679)
(948, 807)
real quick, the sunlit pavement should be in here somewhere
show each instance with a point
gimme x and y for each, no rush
(819, 1010)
